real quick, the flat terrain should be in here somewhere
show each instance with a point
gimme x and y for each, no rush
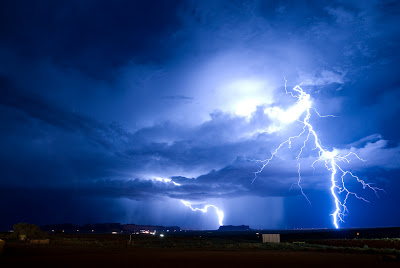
(44, 256)
(199, 249)
(361, 243)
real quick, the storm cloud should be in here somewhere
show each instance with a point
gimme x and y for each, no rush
(153, 101)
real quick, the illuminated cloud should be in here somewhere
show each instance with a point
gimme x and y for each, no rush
(151, 103)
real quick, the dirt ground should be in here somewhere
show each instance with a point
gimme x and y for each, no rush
(44, 256)
(371, 243)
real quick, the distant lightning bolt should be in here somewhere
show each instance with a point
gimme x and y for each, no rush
(220, 213)
(330, 158)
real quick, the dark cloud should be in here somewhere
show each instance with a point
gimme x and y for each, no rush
(94, 37)
(105, 102)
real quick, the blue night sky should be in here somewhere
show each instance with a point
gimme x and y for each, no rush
(115, 111)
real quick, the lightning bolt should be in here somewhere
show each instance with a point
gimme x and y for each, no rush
(331, 159)
(219, 212)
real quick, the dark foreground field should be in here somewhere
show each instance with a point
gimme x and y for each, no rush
(199, 249)
(178, 257)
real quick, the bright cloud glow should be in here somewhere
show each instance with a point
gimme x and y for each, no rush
(243, 96)
(293, 113)
(329, 154)
(166, 181)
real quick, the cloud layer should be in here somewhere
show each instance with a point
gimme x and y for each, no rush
(98, 100)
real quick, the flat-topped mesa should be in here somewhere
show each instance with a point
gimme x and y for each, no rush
(234, 228)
